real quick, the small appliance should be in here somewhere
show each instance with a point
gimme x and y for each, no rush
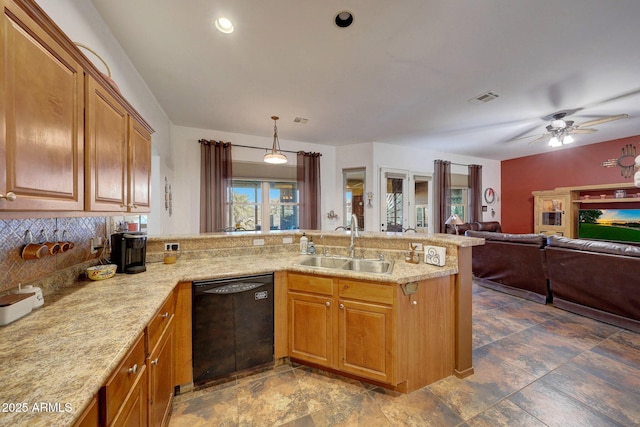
(129, 251)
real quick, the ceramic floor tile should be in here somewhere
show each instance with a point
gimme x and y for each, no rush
(492, 381)
(529, 353)
(597, 393)
(623, 347)
(505, 414)
(359, 410)
(323, 389)
(420, 408)
(615, 372)
(534, 365)
(577, 330)
(556, 409)
(271, 400)
(488, 328)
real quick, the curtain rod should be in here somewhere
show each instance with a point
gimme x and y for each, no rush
(261, 148)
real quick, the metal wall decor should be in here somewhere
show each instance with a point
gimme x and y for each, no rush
(168, 198)
(626, 161)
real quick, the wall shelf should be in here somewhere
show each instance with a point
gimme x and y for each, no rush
(608, 200)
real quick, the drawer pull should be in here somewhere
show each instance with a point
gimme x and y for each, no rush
(164, 316)
(328, 303)
(133, 369)
(155, 361)
(341, 306)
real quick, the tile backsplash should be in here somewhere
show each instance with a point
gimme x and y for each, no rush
(14, 270)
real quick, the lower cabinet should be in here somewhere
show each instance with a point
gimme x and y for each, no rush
(140, 391)
(123, 399)
(133, 411)
(401, 337)
(161, 378)
(343, 325)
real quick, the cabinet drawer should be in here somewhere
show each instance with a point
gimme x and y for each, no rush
(124, 377)
(314, 284)
(364, 291)
(158, 324)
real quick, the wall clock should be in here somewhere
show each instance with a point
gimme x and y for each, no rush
(489, 196)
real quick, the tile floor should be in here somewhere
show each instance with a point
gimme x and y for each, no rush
(535, 365)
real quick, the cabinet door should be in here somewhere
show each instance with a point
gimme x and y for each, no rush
(133, 412)
(365, 337)
(139, 167)
(106, 157)
(41, 118)
(553, 214)
(311, 328)
(161, 378)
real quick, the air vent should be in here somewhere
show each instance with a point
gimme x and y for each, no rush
(301, 120)
(484, 98)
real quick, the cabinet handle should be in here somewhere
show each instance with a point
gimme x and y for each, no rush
(133, 369)
(10, 196)
(328, 303)
(164, 316)
(341, 306)
(155, 361)
(414, 302)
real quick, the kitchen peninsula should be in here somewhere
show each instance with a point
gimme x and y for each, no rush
(63, 354)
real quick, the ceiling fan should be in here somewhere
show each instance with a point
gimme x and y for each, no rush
(559, 130)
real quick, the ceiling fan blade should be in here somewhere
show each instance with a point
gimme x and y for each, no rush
(540, 138)
(603, 120)
(525, 137)
(583, 130)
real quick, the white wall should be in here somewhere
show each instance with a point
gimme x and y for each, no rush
(186, 186)
(176, 151)
(81, 23)
(377, 155)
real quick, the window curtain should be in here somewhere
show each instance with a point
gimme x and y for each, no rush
(308, 172)
(475, 193)
(442, 194)
(215, 184)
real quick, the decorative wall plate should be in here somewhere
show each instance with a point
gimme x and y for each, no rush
(490, 196)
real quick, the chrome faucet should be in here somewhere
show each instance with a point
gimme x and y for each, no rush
(354, 234)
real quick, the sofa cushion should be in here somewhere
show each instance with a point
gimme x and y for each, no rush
(489, 226)
(598, 246)
(527, 239)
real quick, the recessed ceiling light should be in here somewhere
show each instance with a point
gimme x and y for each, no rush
(344, 19)
(224, 25)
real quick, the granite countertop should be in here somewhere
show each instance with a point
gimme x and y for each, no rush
(55, 359)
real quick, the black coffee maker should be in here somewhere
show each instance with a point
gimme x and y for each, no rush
(129, 251)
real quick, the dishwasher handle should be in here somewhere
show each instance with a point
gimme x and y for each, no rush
(234, 288)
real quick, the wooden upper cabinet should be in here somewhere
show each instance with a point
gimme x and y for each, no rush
(139, 167)
(106, 156)
(118, 158)
(41, 116)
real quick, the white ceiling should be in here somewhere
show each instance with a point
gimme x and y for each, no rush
(401, 74)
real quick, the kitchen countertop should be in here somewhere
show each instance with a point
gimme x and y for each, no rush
(55, 359)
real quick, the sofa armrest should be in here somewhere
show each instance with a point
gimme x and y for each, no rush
(525, 239)
(597, 246)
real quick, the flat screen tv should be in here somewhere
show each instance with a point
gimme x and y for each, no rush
(616, 225)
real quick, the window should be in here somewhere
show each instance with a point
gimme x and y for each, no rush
(459, 202)
(256, 203)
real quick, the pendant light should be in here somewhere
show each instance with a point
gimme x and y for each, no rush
(275, 156)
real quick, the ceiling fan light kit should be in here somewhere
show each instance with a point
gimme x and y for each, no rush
(559, 129)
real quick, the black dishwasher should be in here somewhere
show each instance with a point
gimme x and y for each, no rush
(232, 325)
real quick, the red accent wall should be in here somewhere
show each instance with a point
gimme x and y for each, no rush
(562, 168)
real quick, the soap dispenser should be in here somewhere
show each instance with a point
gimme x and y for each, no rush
(304, 244)
(312, 248)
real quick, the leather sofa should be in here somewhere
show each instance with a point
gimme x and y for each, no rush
(493, 226)
(596, 279)
(512, 263)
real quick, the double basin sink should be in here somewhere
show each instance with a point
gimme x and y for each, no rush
(349, 264)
